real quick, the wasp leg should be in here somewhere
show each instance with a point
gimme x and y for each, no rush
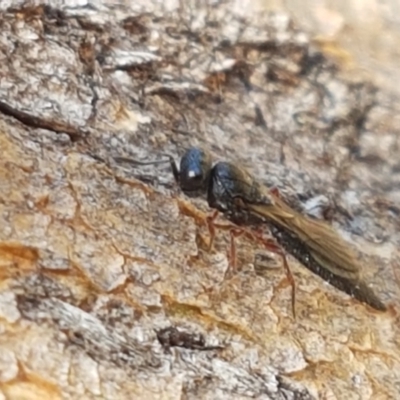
(275, 248)
(257, 236)
(272, 246)
(211, 228)
(234, 233)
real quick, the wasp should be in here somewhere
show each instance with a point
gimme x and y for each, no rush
(232, 190)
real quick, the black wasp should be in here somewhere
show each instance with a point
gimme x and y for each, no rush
(239, 196)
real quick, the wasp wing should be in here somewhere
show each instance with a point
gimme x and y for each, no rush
(323, 243)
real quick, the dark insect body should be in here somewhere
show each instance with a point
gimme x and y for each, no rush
(234, 192)
(173, 337)
(315, 244)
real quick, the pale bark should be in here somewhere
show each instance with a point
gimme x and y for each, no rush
(96, 257)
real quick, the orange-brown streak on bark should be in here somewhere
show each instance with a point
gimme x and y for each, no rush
(173, 307)
(132, 257)
(24, 258)
(79, 276)
(26, 376)
(133, 183)
(78, 218)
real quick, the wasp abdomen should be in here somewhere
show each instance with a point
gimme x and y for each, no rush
(354, 287)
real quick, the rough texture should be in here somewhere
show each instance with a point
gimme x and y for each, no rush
(96, 258)
(362, 36)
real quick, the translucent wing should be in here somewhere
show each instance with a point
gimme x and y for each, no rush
(323, 243)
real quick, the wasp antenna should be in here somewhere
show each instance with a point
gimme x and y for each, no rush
(137, 162)
(174, 166)
(169, 159)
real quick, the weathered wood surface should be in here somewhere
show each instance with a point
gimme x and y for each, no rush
(95, 257)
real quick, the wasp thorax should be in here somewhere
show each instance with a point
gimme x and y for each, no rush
(194, 170)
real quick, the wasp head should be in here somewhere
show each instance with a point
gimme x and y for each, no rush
(194, 171)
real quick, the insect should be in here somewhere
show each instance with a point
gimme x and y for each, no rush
(245, 201)
(173, 337)
(194, 177)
